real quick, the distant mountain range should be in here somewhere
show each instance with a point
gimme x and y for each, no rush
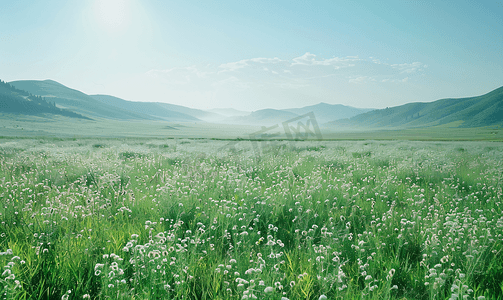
(329, 112)
(485, 110)
(323, 113)
(110, 107)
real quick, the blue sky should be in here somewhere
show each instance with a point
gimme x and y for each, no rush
(257, 54)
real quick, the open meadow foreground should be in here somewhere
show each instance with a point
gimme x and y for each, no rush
(204, 219)
(240, 150)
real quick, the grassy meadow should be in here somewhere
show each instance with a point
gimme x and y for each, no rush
(45, 126)
(90, 218)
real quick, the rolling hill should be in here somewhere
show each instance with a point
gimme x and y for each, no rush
(196, 113)
(325, 112)
(165, 111)
(152, 109)
(74, 100)
(13, 100)
(480, 111)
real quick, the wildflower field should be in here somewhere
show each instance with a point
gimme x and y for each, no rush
(203, 219)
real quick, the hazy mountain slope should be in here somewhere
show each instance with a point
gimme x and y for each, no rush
(263, 117)
(325, 112)
(229, 112)
(110, 107)
(76, 101)
(17, 101)
(147, 108)
(196, 113)
(485, 110)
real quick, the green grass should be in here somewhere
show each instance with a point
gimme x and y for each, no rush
(57, 127)
(195, 219)
(22, 126)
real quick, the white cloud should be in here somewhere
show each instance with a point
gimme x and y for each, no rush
(361, 79)
(403, 80)
(305, 59)
(409, 68)
(263, 60)
(310, 59)
(233, 66)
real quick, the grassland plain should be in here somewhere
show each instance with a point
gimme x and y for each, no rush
(22, 126)
(203, 219)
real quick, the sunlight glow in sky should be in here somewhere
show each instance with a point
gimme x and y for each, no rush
(112, 14)
(257, 54)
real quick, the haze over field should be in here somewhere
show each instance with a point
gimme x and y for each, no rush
(260, 55)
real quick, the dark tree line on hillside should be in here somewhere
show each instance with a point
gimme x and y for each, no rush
(5, 87)
(17, 101)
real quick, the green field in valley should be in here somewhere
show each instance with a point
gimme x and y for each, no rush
(27, 126)
(126, 218)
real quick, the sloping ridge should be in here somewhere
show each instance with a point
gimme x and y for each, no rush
(480, 111)
(325, 112)
(75, 100)
(13, 100)
(147, 108)
(196, 113)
